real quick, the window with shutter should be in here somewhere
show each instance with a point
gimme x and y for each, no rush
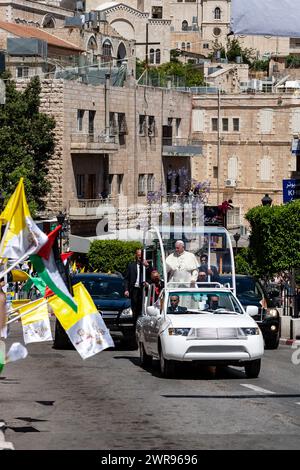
(232, 168)
(265, 169)
(296, 121)
(266, 121)
(198, 120)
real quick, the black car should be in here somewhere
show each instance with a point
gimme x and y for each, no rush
(251, 292)
(107, 292)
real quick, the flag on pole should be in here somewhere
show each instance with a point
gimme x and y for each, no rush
(86, 329)
(17, 351)
(64, 257)
(36, 324)
(22, 237)
(45, 265)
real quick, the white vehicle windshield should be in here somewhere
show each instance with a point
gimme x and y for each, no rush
(201, 302)
(208, 249)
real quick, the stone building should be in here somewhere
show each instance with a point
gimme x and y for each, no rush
(112, 144)
(188, 25)
(48, 14)
(250, 154)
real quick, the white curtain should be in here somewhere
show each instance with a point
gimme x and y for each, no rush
(266, 17)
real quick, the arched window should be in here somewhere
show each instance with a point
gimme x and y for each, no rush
(183, 46)
(48, 22)
(121, 53)
(188, 46)
(92, 48)
(152, 56)
(184, 25)
(217, 13)
(157, 56)
(106, 51)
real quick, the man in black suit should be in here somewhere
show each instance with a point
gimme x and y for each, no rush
(211, 271)
(134, 283)
(174, 307)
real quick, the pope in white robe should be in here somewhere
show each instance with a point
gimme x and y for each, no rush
(182, 266)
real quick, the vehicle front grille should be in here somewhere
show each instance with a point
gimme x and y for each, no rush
(215, 349)
(215, 333)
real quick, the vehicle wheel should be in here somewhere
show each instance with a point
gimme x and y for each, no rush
(167, 368)
(252, 369)
(145, 359)
(272, 343)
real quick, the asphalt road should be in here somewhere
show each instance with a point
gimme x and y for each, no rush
(55, 400)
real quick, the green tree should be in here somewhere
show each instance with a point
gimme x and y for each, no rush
(26, 143)
(275, 238)
(233, 50)
(112, 255)
(184, 74)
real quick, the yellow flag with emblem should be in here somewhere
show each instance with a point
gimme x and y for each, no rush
(86, 328)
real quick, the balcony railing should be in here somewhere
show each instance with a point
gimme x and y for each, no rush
(181, 147)
(80, 137)
(91, 208)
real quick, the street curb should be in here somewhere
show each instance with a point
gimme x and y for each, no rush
(289, 342)
(4, 445)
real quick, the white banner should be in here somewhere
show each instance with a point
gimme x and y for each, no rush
(90, 335)
(266, 17)
(37, 331)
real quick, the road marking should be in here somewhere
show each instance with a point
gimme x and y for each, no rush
(258, 389)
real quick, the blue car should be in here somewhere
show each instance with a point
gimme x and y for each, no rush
(107, 292)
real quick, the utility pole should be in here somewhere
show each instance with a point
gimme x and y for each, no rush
(147, 44)
(219, 146)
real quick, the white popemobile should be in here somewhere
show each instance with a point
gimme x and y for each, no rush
(203, 322)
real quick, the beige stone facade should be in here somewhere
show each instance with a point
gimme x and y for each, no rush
(126, 162)
(255, 138)
(34, 13)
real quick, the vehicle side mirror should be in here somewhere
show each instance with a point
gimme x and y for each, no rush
(152, 311)
(252, 310)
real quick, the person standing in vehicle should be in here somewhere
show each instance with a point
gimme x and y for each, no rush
(182, 266)
(134, 282)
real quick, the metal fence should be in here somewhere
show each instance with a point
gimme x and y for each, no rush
(290, 302)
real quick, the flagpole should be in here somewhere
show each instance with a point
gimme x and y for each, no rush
(26, 313)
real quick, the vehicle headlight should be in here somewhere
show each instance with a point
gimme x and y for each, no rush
(250, 331)
(127, 312)
(179, 331)
(272, 312)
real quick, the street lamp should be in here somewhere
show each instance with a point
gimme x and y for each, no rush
(236, 237)
(60, 219)
(266, 200)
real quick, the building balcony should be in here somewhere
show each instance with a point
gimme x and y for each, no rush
(83, 209)
(181, 147)
(91, 143)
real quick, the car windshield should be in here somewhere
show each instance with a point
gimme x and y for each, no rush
(104, 289)
(202, 302)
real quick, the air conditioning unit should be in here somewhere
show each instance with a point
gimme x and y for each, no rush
(230, 183)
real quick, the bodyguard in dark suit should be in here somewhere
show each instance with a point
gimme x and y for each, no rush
(134, 282)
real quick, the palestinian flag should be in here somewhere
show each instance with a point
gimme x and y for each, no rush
(45, 265)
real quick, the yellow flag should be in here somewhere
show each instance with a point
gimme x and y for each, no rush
(74, 267)
(35, 323)
(22, 237)
(19, 276)
(82, 270)
(66, 315)
(40, 311)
